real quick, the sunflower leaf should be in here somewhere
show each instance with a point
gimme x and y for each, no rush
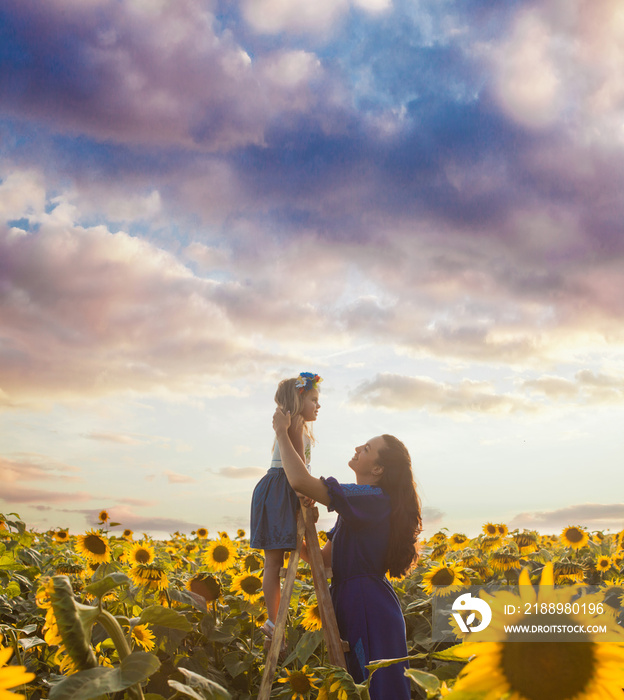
(185, 690)
(95, 682)
(104, 585)
(307, 645)
(382, 663)
(198, 681)
(427, 681)
(188, 598)
(158, 615)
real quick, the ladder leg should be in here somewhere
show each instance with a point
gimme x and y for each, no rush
(282, 614)
(334, 644)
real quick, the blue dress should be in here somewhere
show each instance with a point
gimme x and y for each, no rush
(367, 609)
(274, 506)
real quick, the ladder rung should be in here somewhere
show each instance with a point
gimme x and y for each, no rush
(328, 572)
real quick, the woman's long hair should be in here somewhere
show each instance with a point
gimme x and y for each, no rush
(397, 481)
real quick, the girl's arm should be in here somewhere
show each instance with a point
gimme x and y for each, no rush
(298, 476)
(295, 433)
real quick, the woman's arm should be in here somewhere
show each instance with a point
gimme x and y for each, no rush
(325, 552)
(298, 476)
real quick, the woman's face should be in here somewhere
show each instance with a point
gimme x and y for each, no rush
(364, 461)
(311, 405)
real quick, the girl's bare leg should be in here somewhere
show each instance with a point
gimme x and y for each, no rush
(271, 585)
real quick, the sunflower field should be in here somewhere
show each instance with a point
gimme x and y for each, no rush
(114, 615)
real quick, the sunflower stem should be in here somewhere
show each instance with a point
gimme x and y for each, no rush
(111, 625)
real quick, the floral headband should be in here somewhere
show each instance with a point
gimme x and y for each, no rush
(307, 381)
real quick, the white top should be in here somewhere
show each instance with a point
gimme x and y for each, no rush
(276, 462)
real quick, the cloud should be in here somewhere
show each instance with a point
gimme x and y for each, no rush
(594, 516)
(18, 494)
(587, 387)
(35, 467)
(175, 478)
(155, 525)
(114, 437)
(402, 393)
(159, 74)
(241, 472)
(89, 312)
(432, 517)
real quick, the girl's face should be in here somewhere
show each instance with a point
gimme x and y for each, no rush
(311, 405)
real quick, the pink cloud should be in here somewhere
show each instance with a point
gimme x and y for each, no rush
(18, 494)
(174, 478)
(34, 467)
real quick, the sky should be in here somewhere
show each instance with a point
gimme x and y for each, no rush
(420, 200)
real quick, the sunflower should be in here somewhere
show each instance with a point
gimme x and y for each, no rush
(438, 552)
(94, 547)
(566, 572)
(104, 516)
(458, 541)
(248, 585)
(201, 533)
(127, 534)
(502, 529)
(438, 538)
(206, 585)
(61, 536)
(583, 670)
(469, 560)
(604, 563)
(221, 554)
(574, 537)
(12, 676)
(490, 529)
(252, 562)
(144, 637)
(489, 543)
(71, 569)
(445, 578)
(311, 620)
(152, 576)
(140, 554)
(526, 542)
(503, 561)
(240, 534)
(301, 682)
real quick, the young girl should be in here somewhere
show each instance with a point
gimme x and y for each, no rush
(274, 503)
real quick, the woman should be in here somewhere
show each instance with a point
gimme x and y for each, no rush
(376, 531)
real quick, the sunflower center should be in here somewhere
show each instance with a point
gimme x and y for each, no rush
(300, 683)
(95, 544)
(251, 585)
(142, 556)
(548, 671)
(206, 586)
(221, 554)
(573, 534)
(443, 577)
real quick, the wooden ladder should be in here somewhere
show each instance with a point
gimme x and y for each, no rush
(335, 646)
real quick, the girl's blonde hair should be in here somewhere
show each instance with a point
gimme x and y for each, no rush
(289, 397)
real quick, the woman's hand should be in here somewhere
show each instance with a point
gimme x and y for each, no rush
(281, 421)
